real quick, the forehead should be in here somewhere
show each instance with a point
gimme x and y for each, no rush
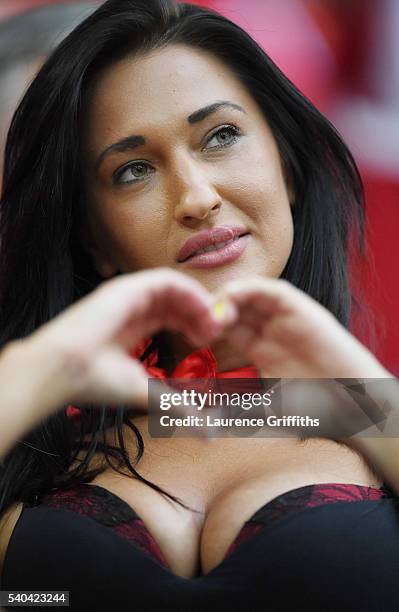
(159, 88)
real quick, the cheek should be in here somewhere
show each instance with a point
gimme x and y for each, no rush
(255, 176)
(260, 191)
(136, 240)
(262, 195)
(278, 237)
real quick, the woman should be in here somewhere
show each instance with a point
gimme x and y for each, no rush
(127, 154)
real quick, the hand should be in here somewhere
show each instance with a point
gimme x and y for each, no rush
(94, 336)
(287, 334)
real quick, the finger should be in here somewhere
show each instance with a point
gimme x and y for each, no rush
(267, 295)
(242, 336)
(167, 299)
(264, 352)
(193, 310)
(198, 329)
(175, 310)
(137, 305)
(117, 379)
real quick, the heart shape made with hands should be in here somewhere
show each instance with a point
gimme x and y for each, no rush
(280, 330)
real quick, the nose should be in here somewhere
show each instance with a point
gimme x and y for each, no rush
(196, 195)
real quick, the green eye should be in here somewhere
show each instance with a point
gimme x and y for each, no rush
(133, 172)
(224, 137)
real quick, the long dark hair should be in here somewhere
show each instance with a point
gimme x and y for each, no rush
(43, 266)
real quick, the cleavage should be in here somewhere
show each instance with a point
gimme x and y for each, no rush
(226, 491)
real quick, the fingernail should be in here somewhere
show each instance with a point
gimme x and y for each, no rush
(219, 309)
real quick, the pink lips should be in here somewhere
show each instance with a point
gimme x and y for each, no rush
(236, 237)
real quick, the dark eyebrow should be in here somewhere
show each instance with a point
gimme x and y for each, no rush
(202, 113)
(132, 142)
(126, 144)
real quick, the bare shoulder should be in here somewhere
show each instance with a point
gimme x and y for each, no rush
(7, 525)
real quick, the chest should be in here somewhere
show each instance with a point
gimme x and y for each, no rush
(223, 483)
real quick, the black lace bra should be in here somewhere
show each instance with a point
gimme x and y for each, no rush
(319, 547)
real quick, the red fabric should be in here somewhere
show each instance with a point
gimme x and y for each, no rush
(198, 364)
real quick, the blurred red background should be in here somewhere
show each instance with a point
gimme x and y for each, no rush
(344, 56)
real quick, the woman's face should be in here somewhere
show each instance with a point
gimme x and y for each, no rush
(162, 162)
